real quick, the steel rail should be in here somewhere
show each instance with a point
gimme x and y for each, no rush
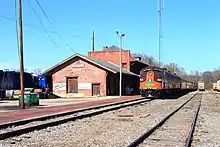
(141, 138)
(57, 122)
(190, 136)
(45, 117)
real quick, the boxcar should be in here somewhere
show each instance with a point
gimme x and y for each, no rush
(201, 86)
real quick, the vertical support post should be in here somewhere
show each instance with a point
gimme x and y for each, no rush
(120, 83)
(21, 53)
(93, 41)
(120, 52)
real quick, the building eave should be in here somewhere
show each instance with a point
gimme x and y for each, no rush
(72, 57)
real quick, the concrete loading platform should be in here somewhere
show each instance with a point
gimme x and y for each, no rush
(12, 105)
(9, 110)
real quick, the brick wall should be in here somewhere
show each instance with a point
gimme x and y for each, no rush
(113, 56)
(87, 74)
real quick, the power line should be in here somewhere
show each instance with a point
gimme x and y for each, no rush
(42, 24)
(44, 13)
(52, 32)
(8, 18)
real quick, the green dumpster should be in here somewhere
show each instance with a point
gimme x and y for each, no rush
(35, 99)
(27, 100)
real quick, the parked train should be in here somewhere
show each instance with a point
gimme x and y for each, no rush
(10, 80)
(201, 86)
(216, 86)
(159, 82)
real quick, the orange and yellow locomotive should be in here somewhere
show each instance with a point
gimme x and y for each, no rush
(157, 82)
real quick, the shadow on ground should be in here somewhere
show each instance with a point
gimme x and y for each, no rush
(9, 107)
(167, 97)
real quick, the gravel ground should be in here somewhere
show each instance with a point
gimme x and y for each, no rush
(106, 129)
(207, 132)
(64, 117)
(175, 130)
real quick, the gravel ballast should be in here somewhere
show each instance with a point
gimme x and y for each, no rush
(107, 129)
(207, 131)
(67, 116)
(175, 130)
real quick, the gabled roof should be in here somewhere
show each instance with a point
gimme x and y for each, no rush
(103, 64)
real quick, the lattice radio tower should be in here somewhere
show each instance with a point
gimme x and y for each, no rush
(160, 9)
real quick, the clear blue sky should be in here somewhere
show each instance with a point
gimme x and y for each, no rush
(190, 29)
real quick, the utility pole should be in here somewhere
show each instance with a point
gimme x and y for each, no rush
(93, 41)
(21, 53)
(160, 8)
(120, 44)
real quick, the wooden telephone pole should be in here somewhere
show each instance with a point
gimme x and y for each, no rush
(21, 53)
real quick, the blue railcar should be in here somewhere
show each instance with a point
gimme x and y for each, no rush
(42, 82)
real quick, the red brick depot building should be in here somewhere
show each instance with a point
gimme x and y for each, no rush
(79, 76)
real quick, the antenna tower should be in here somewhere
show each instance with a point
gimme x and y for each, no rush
(160, 9)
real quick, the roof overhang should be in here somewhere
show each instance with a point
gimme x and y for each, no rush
(72, 57)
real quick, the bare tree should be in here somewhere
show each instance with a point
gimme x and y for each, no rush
(148, 59)
(216, 74)
(37, 71)
(18, 70)
(173, 67)
(208, 77)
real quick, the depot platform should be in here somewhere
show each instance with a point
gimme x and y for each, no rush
(12, 105)
(9, 110)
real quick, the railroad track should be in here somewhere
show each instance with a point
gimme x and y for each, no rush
(207, 131)
(25, 126)
(141, 139)
(217, 95)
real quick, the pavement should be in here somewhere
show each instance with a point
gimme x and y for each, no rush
(9, 110)
(12, 105)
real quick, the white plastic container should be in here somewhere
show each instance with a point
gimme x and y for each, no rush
(9, 93)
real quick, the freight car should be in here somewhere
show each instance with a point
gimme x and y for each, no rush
(201, 86)
(214, 86)
(10, 81)
(187, 86)
(158, 82)
(218, 85)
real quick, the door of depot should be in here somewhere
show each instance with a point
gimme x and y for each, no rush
(95, 89)
(72, 85)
